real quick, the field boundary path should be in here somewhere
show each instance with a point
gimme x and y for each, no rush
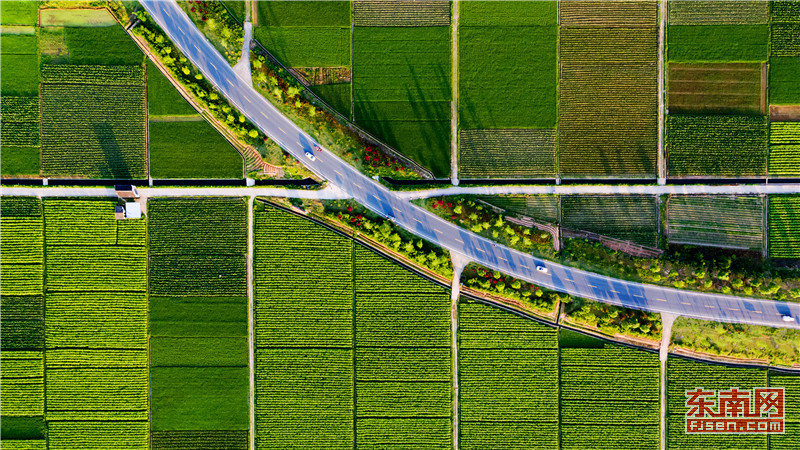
(663, 352)
(661, 167)
(454, 99)
(459, 262)
(377, 198)
(251, 343)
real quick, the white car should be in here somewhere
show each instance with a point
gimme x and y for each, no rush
(542, 269)
(787, 318)
(310, 155)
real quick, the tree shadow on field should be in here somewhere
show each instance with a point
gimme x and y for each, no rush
(114, 164)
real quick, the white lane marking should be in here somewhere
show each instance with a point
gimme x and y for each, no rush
(757, 312)
(685, 303)
(251, 102)
(417, 220)
(338, 173)
(736, 309)
(637, 295)
(299, 143)
(523, 265)
(436, 230)
(357, 185)
(480, 249)
(458, 240)
(660, 300)
(590, 285)
(214, 66)
(500, 257)
(281, 130)
(196, 47)
(709, 306)
(616, 292)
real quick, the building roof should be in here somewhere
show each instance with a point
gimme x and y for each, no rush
(133, 210)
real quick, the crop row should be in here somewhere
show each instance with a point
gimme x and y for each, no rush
(784, 226)
(97, 132)
(716, 145)
(785, 11)
(608, 14)
(207, 440)
(791, 385)
(684, 375)
(376, 273)
(99, 435)
(286, 381)
(507, 153)
(96, 268)
(23, 322)
(321, 301)
(97, 75)
(784, 133)
(81, 222)
(735, 222)
(22, 241)
(82, 393)
(402, 364)
(405, 432)
(383, 13)
(690, 12)
(403, 320)
(20, 134)
(96, 320)
(198, 226)
(484, 327)
(610, 436)
(602, 70)
(131, 232)
(21, 279)
(19, 109)
(20, 206)
(785, 39)
(631, 218)
(23, 382)
(66, 358)
(198, 274)
(538, 207)
(474, 435)
(403, 399)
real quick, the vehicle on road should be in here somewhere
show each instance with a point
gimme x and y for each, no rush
(390, 218)
(318, 148)
(542, 269)
(786, 318)
(310, 155)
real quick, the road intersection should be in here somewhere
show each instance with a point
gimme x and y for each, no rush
(379, 199)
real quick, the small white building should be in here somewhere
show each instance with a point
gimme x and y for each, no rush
(133, 210)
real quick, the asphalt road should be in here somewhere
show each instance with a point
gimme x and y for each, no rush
(430, 227)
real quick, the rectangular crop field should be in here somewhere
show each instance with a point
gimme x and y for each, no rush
(589, 378)
(19, 13)
(20, 74)
(537, 207)
(718, 43)
(306, 33)
(362, 353)
(716, 145)
(718, 12)
(784, 80)
(108, 45)
(627, 217)
(684, 375)
(402, 13)
(96, 328)
(608, 108)
(192, 149)
(714, 87)
(784, 148)
(95, 131)
(496, 351)
(784, 226)
(162, 97)
(716, 221)
(507, 65)
(401, 90)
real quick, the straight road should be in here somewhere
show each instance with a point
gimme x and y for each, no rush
(588, 189)
(328, 193)
(430, 227)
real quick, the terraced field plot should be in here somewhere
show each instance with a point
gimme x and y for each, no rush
(784, 226)
(371, 361)
(631, 218)
(608, 95)
(784, 148)
(721, 88)
(722, 145)
(401, 90)
(730, 222)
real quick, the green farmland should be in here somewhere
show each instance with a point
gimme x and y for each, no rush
(710, 43)
(729, 222)
(198, 325)
(630, 218)
(784, 149)
(191, 149)
(784, 226)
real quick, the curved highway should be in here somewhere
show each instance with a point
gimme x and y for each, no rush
(377, 198)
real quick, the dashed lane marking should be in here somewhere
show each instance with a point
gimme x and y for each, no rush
(458, 240)
(338, 173)
(637, 295)
(709, 306)
(523, 265)
(281, 129)
(590, 285)
(733, 309)
(436, 230)
(757, 312)
(660, 300)
(685, 303)
(480, 249)
(500, 257)
(616, 292)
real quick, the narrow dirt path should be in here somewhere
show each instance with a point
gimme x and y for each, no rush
(454, 99)
(459, 262)
(661, 168)
(663, 352)
(250, 321)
